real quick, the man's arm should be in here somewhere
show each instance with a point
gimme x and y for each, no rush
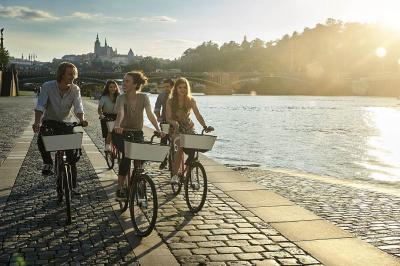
(157, 107)
(78, 108)
(36, 124)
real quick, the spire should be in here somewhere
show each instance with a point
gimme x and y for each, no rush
(97, 38)
(22, 55)
(245, 43)
(105, 42)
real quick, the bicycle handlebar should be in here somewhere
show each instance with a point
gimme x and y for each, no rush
(207, 130)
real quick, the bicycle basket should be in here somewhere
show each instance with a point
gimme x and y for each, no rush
(62, 142)
(145, 151)
(201, 143)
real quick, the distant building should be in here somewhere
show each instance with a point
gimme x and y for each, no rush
(102, 53)
(106, 53)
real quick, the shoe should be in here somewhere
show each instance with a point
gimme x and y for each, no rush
(47, 169)
(163, 164)
(108, 147)
(75, 193)
(174, 179)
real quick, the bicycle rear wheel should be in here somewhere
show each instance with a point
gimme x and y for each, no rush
(110, 158)
(66, 182)
(124, 203)
(195, 187)
(143, 205)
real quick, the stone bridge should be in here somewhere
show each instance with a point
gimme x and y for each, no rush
(215, 83)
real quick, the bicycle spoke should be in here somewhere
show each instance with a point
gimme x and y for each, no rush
(196, 187)
(143, 206)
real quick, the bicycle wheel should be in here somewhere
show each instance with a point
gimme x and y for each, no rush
(110, 158)
(123, 204)
(143, 205)
(59, 181)
(176, 187)
(65, 173)
(195, 187)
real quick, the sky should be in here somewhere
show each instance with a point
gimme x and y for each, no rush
(166, 28)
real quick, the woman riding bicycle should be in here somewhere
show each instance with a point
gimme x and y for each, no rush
(106, 109)
(179, 106)
(129, 108)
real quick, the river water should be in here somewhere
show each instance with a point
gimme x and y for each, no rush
(344, 137)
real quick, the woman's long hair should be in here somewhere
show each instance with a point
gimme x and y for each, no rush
(106, 90)
(174, 95)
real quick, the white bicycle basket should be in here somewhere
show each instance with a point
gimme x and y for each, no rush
(62, 142)
(110, 125)
(145, 151)
(202, 143)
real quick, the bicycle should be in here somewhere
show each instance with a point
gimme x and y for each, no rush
(63, 170)
(191, 173)
(142, 196)
(114, 153)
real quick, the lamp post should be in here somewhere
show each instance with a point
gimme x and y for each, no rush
(1, 46)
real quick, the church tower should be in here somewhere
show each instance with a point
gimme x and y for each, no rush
(97, 45)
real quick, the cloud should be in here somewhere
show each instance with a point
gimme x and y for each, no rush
(83, 15)
(163, 19)
(177, 42)
(23, 12)
(102, 17)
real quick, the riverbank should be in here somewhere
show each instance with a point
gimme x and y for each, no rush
(368, 210)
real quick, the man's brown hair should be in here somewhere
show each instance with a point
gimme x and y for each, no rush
(63, 67)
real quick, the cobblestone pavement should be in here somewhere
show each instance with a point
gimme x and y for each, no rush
(372, 216)
(224, 233)
(15, 114)
(33, 228)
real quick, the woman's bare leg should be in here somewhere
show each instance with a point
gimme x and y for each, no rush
(108, 138)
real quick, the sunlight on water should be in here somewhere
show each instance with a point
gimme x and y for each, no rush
(384, 147)
(344, 137)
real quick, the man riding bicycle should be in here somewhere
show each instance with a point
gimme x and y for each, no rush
(160, 109)
(53, 111)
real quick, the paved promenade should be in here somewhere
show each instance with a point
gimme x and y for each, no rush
(242, 223)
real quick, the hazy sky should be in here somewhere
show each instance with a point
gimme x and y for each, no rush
(53, 28)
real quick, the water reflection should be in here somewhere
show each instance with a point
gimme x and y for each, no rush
(384, 147)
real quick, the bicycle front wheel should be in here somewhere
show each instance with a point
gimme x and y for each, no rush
(143, 205)
(176, 187)
(66, 179)
(195, 187)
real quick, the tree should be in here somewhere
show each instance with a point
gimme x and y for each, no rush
(257, 43)
(4, 57)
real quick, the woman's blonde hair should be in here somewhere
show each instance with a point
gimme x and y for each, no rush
(62, 68)
(174, 94)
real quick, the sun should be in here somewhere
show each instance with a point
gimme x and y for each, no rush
(380, 52)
